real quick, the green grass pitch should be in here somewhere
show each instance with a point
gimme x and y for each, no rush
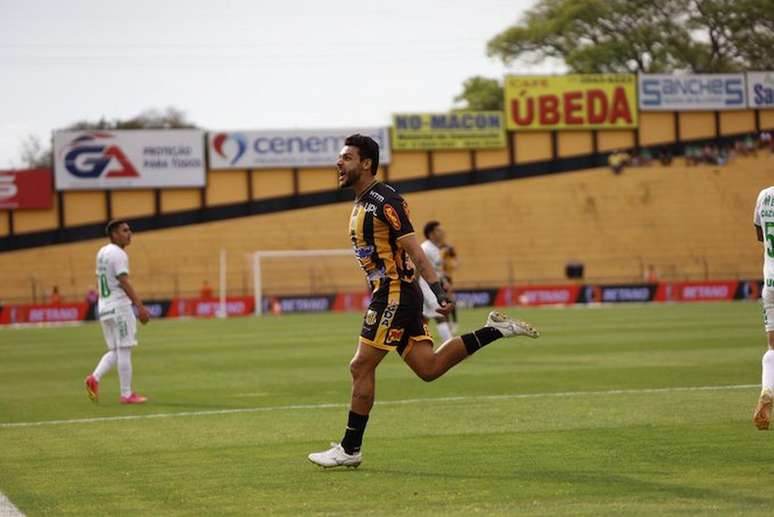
(592, 418)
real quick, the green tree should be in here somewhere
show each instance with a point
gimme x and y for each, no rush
(481, 93)
(34, 154)
(593, 36)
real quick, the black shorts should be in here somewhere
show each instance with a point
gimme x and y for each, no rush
(394, 318)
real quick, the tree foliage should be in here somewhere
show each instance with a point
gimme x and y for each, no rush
(481, 93)
(34, 154)
(593, 36)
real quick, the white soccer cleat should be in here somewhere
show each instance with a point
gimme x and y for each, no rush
(336, 456)
(509, 326)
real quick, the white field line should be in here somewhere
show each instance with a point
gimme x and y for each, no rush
(7, 509)
(339, 405)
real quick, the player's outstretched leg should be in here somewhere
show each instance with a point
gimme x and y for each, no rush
(430, 364)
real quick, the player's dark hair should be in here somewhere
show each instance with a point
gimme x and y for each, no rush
(367, 147)
(430, 227)
(113, 225)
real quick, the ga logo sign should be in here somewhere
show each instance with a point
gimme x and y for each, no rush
(90, 155)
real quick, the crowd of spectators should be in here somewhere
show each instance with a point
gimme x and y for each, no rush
(710, 154)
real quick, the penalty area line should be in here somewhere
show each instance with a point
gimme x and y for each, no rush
(463, 398)
(7, 508)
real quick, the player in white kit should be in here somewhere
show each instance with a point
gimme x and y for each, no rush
(764, 226)
(435, 238)
(116, 296)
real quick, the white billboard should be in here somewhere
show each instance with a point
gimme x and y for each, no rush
(664, 92)
(287, 148)
(127, 159)
(760, 89)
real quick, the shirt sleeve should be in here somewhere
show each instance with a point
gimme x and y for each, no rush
(396, 215)
(121, 264)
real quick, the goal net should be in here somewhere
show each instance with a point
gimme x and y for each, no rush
(304, 273)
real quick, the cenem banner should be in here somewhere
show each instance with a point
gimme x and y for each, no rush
(287, 148)
(580, 101)
(102, 160)
(664, 92)
(459, 130)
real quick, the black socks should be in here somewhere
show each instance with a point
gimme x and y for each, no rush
(480, 338)
(353, 436)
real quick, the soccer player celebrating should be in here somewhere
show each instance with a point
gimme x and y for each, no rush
(435, 238)
(119, 326)
(388, 252)
(763, 219)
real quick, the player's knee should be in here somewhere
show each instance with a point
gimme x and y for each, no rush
(358, 368)
(427, 374)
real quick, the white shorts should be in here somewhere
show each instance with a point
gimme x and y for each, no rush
(430, 305)
(767, 299)
(120, 328)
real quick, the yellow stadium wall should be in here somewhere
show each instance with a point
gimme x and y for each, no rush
(616, 225)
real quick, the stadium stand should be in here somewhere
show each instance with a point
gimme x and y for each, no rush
(690, 222)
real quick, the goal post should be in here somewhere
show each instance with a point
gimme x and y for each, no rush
(259, 256)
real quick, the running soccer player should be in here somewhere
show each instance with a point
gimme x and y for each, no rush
(388, 252)
(119, 326)
(763, 219)
(435, 238)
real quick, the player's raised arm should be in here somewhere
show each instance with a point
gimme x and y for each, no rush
(142, 312)
(425, 268)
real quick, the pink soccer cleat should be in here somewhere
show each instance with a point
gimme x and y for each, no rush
(134, 399)
(92, 388)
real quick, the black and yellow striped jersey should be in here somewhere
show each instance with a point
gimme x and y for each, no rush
(380, 218)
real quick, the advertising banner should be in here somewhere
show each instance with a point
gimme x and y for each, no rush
(760, 89)
(55, 313)
(459, 130)
(696, 291)
(127, 159)
(289, 304)
(580, 101)
(271, 149)
(466, 298)
(665, 92)
(625, 293)
(346, 302)
(537, 295)
(20, 189)
(200, 308)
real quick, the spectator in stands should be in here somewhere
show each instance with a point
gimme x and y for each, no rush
(764, 141)
(645, 157)
(617, 160)
(665, 156)
(692, 155)
(650, 275)
(56, 298)
(749, 144)
(206, 291)
(91, 298)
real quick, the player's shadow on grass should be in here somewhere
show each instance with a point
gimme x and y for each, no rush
(618, 484)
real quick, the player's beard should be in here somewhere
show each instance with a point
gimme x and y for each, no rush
(350, 177)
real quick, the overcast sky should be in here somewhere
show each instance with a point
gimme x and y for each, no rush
(239, 64)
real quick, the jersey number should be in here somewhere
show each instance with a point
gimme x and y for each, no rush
(769, 239)
(104, 290)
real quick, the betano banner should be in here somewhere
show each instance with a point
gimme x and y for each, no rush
(127, 159)
(580, 101)
(665, 92)
(760, 89)
(287, 148)
(30, 188)
(458, 130)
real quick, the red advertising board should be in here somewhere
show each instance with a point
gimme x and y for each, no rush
(200, 308)
(696, 291)
(30, 188)
(537, 295)
(57, 313)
